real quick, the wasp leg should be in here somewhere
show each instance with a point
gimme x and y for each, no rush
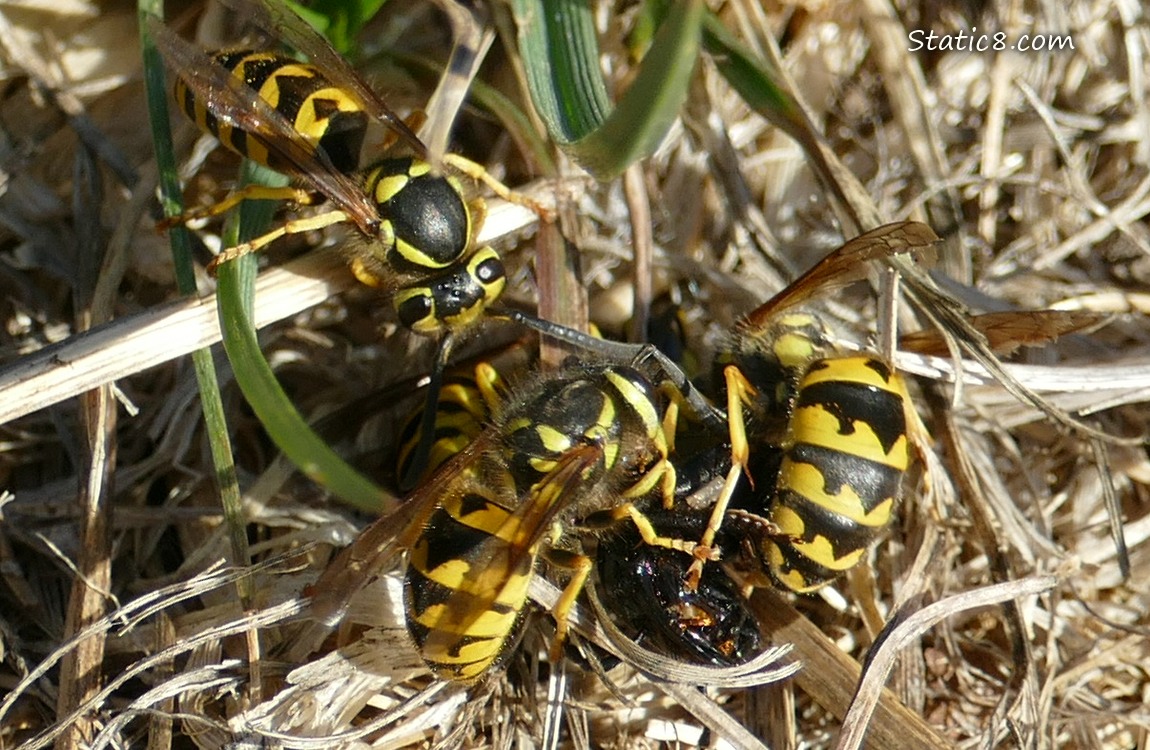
(296, 195)
(580, 567)
(478, 209)
(662, 474)
(675, 399)
(364, 275)
(627, 511)
(489, 381)
(476, 172)
(739, 392)
(295, 226)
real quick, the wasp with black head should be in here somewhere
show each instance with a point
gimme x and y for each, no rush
(582, 443)
(322, 125)
(841, 422)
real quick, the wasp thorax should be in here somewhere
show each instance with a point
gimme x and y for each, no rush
(424, 213)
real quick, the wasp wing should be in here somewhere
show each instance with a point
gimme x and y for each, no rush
(232, 101)
(498, 567)
(377, 547)
(1006, 331)
(846, 264)
(282, 23)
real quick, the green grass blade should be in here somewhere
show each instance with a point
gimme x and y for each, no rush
(219, 444)
(286, 427)
(561, 55)
(753, 78)
(561, 59)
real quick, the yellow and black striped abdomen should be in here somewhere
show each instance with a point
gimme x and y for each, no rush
(323, 114)
(568, 447)
(460, 415)
(466, 584)
(845, 453)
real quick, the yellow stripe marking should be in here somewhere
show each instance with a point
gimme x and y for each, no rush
(808, 481)
(817, 426)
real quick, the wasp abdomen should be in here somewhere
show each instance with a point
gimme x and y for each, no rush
(461, 619)
(845, 453)
(323, 114)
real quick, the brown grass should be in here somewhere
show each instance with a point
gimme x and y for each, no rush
(1006, 615)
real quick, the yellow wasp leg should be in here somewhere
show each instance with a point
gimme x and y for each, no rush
(295, 226)
(670, 479)
(488, 381)
(671, 424)
(652, 537)
(476, 172)
(675, 404)
(739, 391)
(580, 565)
(364, 274)
(663, 473)
(249, 192)
(675, 400)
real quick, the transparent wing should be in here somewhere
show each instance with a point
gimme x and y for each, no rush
(846, 264)
(1006, 331)
(281, 23)
(234, 102)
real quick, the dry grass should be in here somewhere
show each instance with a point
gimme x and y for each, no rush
(1015, 622)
